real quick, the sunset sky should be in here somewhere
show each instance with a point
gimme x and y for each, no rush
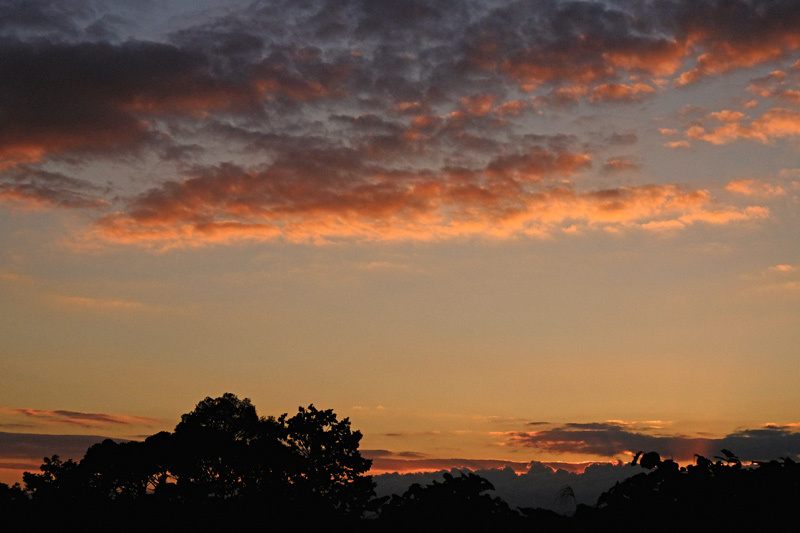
(481, 229)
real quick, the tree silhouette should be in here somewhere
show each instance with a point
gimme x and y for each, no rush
(215, 451)
(456, 503)
(327, 465)
(220, 457)
(707, 495)
(59, 480)
(225, 467)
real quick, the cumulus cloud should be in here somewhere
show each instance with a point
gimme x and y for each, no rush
(538, 485)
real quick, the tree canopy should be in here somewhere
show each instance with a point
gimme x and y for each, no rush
(223, 451)
(224, 466)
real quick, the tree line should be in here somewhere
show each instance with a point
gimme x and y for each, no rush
(223, 466)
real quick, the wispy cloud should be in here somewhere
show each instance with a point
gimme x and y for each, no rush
(95, 303)
(77, 418)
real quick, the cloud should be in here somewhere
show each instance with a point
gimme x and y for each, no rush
(737, 35)
(25, 451)
(677, 144)
(619, 164)
(94, 303)
(580, 43)
(31, 188)
(775, 123)
(537, 485)
(613, 440)
(77, 418)
(324, 195)
(325, 122)
(14, 277)
(754, 187)
(619, 92)
(385, 461)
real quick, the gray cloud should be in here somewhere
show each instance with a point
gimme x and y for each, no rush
(35, 187)
(371, 92)
(613, 440)
(29, 449)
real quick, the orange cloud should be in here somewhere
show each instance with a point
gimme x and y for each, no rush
(619, 165)
(620, 92)
(678, 144)
(725, 53)
(656, 57)
(727, 116)
(591, 58)
(512, 196)
(510, 108)
(568, 95)
(754, 187)
(774, 124)
(477, 105)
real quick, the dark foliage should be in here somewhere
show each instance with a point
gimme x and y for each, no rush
(224, 467)
(457, 503)
(715, 496)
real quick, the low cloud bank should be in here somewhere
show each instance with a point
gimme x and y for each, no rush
(540, 487)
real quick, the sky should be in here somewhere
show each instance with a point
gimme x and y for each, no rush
(487, 232)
